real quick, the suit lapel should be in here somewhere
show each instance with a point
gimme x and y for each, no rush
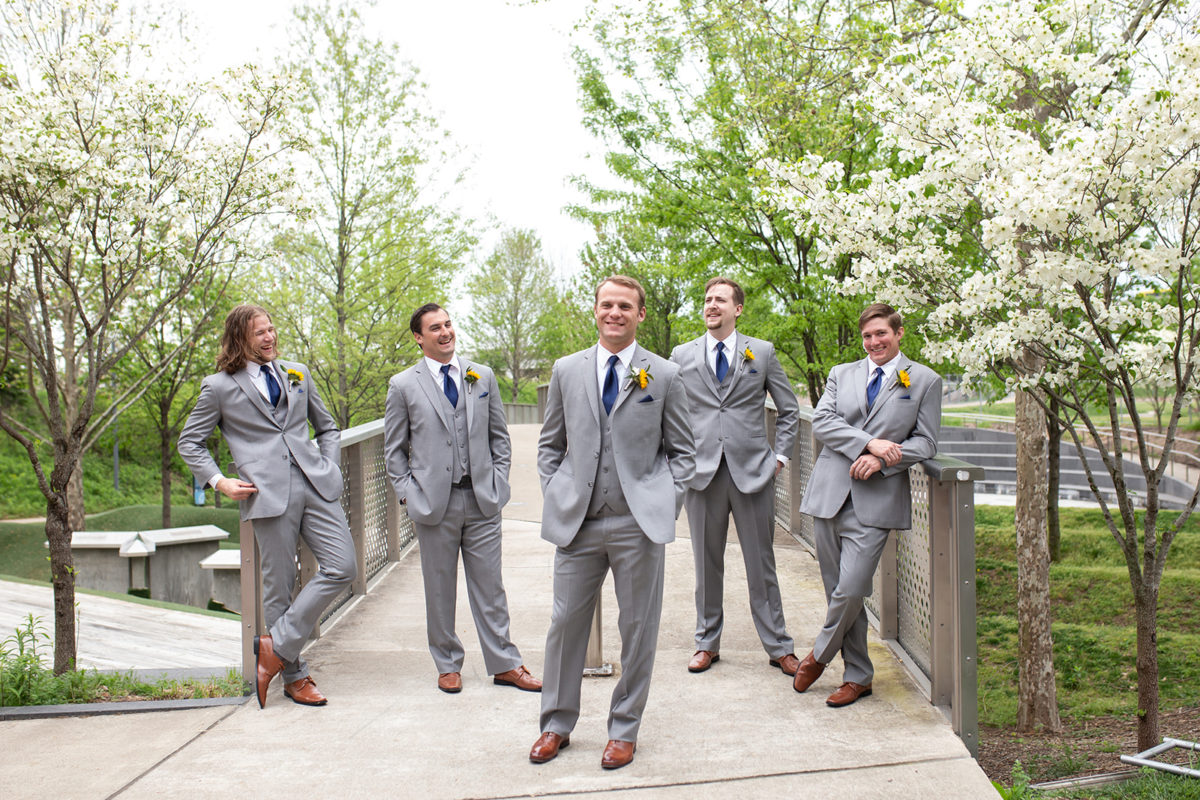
(707, 376)
(436, 398)
(739, 361)
(590, 388)
(285, 390)
(886, 393)
(468, 393)
(859, 385)
(242, 378)
(639, 361)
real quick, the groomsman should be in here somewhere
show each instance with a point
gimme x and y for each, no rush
(614, 458)
(877, 418)
(728, 375)
(447, 452)
(285, 486)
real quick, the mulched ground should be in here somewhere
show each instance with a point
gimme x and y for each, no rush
(1083, 748)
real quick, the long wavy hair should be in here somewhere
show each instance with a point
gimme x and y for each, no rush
(235, 340)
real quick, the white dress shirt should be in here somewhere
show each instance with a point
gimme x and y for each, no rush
(602, 356)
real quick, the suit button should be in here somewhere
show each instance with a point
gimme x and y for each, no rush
(589, 484)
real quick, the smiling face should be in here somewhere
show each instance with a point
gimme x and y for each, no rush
(721, 310)
(261, 340)
(880, 341)
(618, 313)
(436, 338)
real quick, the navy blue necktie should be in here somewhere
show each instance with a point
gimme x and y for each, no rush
(609, 395)
(873, 386)
(449, 386)
(272, 384)
(722, 363)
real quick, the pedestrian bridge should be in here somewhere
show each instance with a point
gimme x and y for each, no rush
(737, 730)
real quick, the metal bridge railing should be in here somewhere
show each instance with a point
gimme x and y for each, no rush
(379, 527)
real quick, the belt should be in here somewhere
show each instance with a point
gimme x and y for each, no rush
(465, 483)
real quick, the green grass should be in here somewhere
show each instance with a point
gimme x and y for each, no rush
(1085, 541)
(25, 681)
(1093, 621)
(1148, 785)
(23, 552)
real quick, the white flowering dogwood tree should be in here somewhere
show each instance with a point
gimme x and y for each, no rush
(1043, 205)
(122, 190)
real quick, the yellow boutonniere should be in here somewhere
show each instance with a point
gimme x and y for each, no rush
(295, 377)
(470, 376)
(749, 354)
(902, 379)
(639, 377)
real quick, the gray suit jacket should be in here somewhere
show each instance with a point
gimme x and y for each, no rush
(418, 445)
(841, 423)
(262, 448)
(735, 424)
(651, 439)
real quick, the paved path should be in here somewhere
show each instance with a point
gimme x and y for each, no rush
(737, 730)
(120, 635)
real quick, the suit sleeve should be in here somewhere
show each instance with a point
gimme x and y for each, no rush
(552, 444)
(679, 441)
(788, 409)
(921, 444)
(203, 420)
(395, 439)
(325, 429)
(498, 430)
(830, 429)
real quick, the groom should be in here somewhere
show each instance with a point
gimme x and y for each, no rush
(615, 456)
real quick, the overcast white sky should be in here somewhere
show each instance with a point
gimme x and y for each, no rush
(500, 80)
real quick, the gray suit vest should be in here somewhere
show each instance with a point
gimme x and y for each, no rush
(461, 463)
(608, 499)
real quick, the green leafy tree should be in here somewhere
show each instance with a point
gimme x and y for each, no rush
(514, 299)
(382, 239)
(691, 95)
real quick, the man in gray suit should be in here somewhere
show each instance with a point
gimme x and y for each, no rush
(447, 452)
(728, 375)
(614, 458)
(877, 418)
(287, 486)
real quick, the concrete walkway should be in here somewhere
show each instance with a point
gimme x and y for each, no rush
(737, 730)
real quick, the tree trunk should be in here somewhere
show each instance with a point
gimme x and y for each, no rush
(75, 507)
(165, 452)
(62, 563)
(1037, 700)
(1146, 607)
(1054, 435)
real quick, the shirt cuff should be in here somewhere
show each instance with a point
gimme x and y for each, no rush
(781, 458)
(213, 480)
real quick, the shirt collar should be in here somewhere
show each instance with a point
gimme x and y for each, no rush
(889, 369)
(710, 341)
(625, 356)
(435, 366)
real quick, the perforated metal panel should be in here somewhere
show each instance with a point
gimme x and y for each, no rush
(375, 489)
(915, 584)
(783, 496)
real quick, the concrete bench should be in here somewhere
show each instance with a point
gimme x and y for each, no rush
(165, 561)
(225, 566)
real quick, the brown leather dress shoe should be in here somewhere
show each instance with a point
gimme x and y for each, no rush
(520, 678)
(847, 693)
(617, 754)
(450, 682)
(789, 663)
(304, 692)
(267, 666)
(703, 660)
(547, 746)
(807, 673)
